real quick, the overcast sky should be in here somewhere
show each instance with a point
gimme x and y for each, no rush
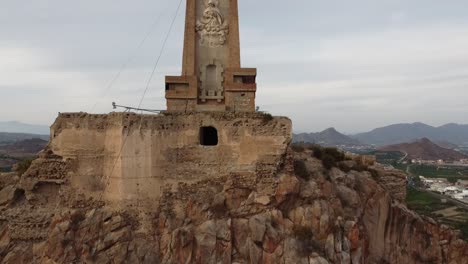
(354, 65)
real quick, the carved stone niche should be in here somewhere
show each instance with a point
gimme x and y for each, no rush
(212, 27)
(212, 79)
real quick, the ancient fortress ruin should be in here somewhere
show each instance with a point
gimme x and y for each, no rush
(210, 180)
(210, 130)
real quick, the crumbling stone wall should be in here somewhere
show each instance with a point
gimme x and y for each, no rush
(133, 157)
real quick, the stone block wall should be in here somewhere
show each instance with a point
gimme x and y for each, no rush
(134, 157)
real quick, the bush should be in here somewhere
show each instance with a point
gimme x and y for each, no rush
(335, 153)
(307, 243)
(317, 152)
(303, 233)
(297, 148)
(463, 227)
(375, 174)
(75, 219)
(300, 169)
(23, 166)
(219, 210)
(452, 180)
(344, 167)
(267, 117)
(328, 162)
(329, 156)
(5, 169)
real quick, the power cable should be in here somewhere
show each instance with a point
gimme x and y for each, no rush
(160, 54)
(132, 56)
(107, 180)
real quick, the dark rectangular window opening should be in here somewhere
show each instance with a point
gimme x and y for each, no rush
(248, 79)
(208, 136)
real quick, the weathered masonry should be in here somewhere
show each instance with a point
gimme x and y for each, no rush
(210, 131)
(212, 78)
(134, 157)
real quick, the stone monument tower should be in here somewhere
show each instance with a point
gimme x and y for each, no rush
(212, 78)
(210, 131)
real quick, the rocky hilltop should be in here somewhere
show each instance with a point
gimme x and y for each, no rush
(328, 137)
(400, 133)
(304, 213)
(426, 150)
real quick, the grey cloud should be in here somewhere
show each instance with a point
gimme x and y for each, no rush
(350, 64)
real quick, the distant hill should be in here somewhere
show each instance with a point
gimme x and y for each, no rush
(328, 137)
(28, 147)
(18, 127)
(14, 137)
(426, 150)
(446, 144)
(400, 133)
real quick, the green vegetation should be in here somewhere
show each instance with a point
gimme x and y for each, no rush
(428, 204)
(329, 156)
(298, 147)
(360, 168)
(453, 174)
(332, 157)
(437, 171)
(387, 157)
(7, 158)
(463, 227)
(300, 169)
(76, 218)
(392, 158)
(267, 117)
(401, 166)
(317, 151)
(328, 162)
(24, 165)
(416, 181)
(334, 153)
(4, 156)
(424, 202)
(5, 169)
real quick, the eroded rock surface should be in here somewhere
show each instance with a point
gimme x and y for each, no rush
(327, 217)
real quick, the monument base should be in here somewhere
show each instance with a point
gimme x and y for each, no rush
(130, 158)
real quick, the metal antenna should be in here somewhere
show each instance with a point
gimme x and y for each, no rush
(129, 109)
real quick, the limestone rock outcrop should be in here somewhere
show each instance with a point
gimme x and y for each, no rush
(325, 217)
(393, 181)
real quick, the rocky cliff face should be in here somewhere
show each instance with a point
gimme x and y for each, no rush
(316, 216)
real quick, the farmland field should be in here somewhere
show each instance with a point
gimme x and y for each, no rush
(425, 203)
(452, 173)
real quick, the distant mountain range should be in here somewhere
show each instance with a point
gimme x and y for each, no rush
(426, 150)
(400, 133)
(328, 137)
(6, 138)
(18, 127)
(449, 136)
